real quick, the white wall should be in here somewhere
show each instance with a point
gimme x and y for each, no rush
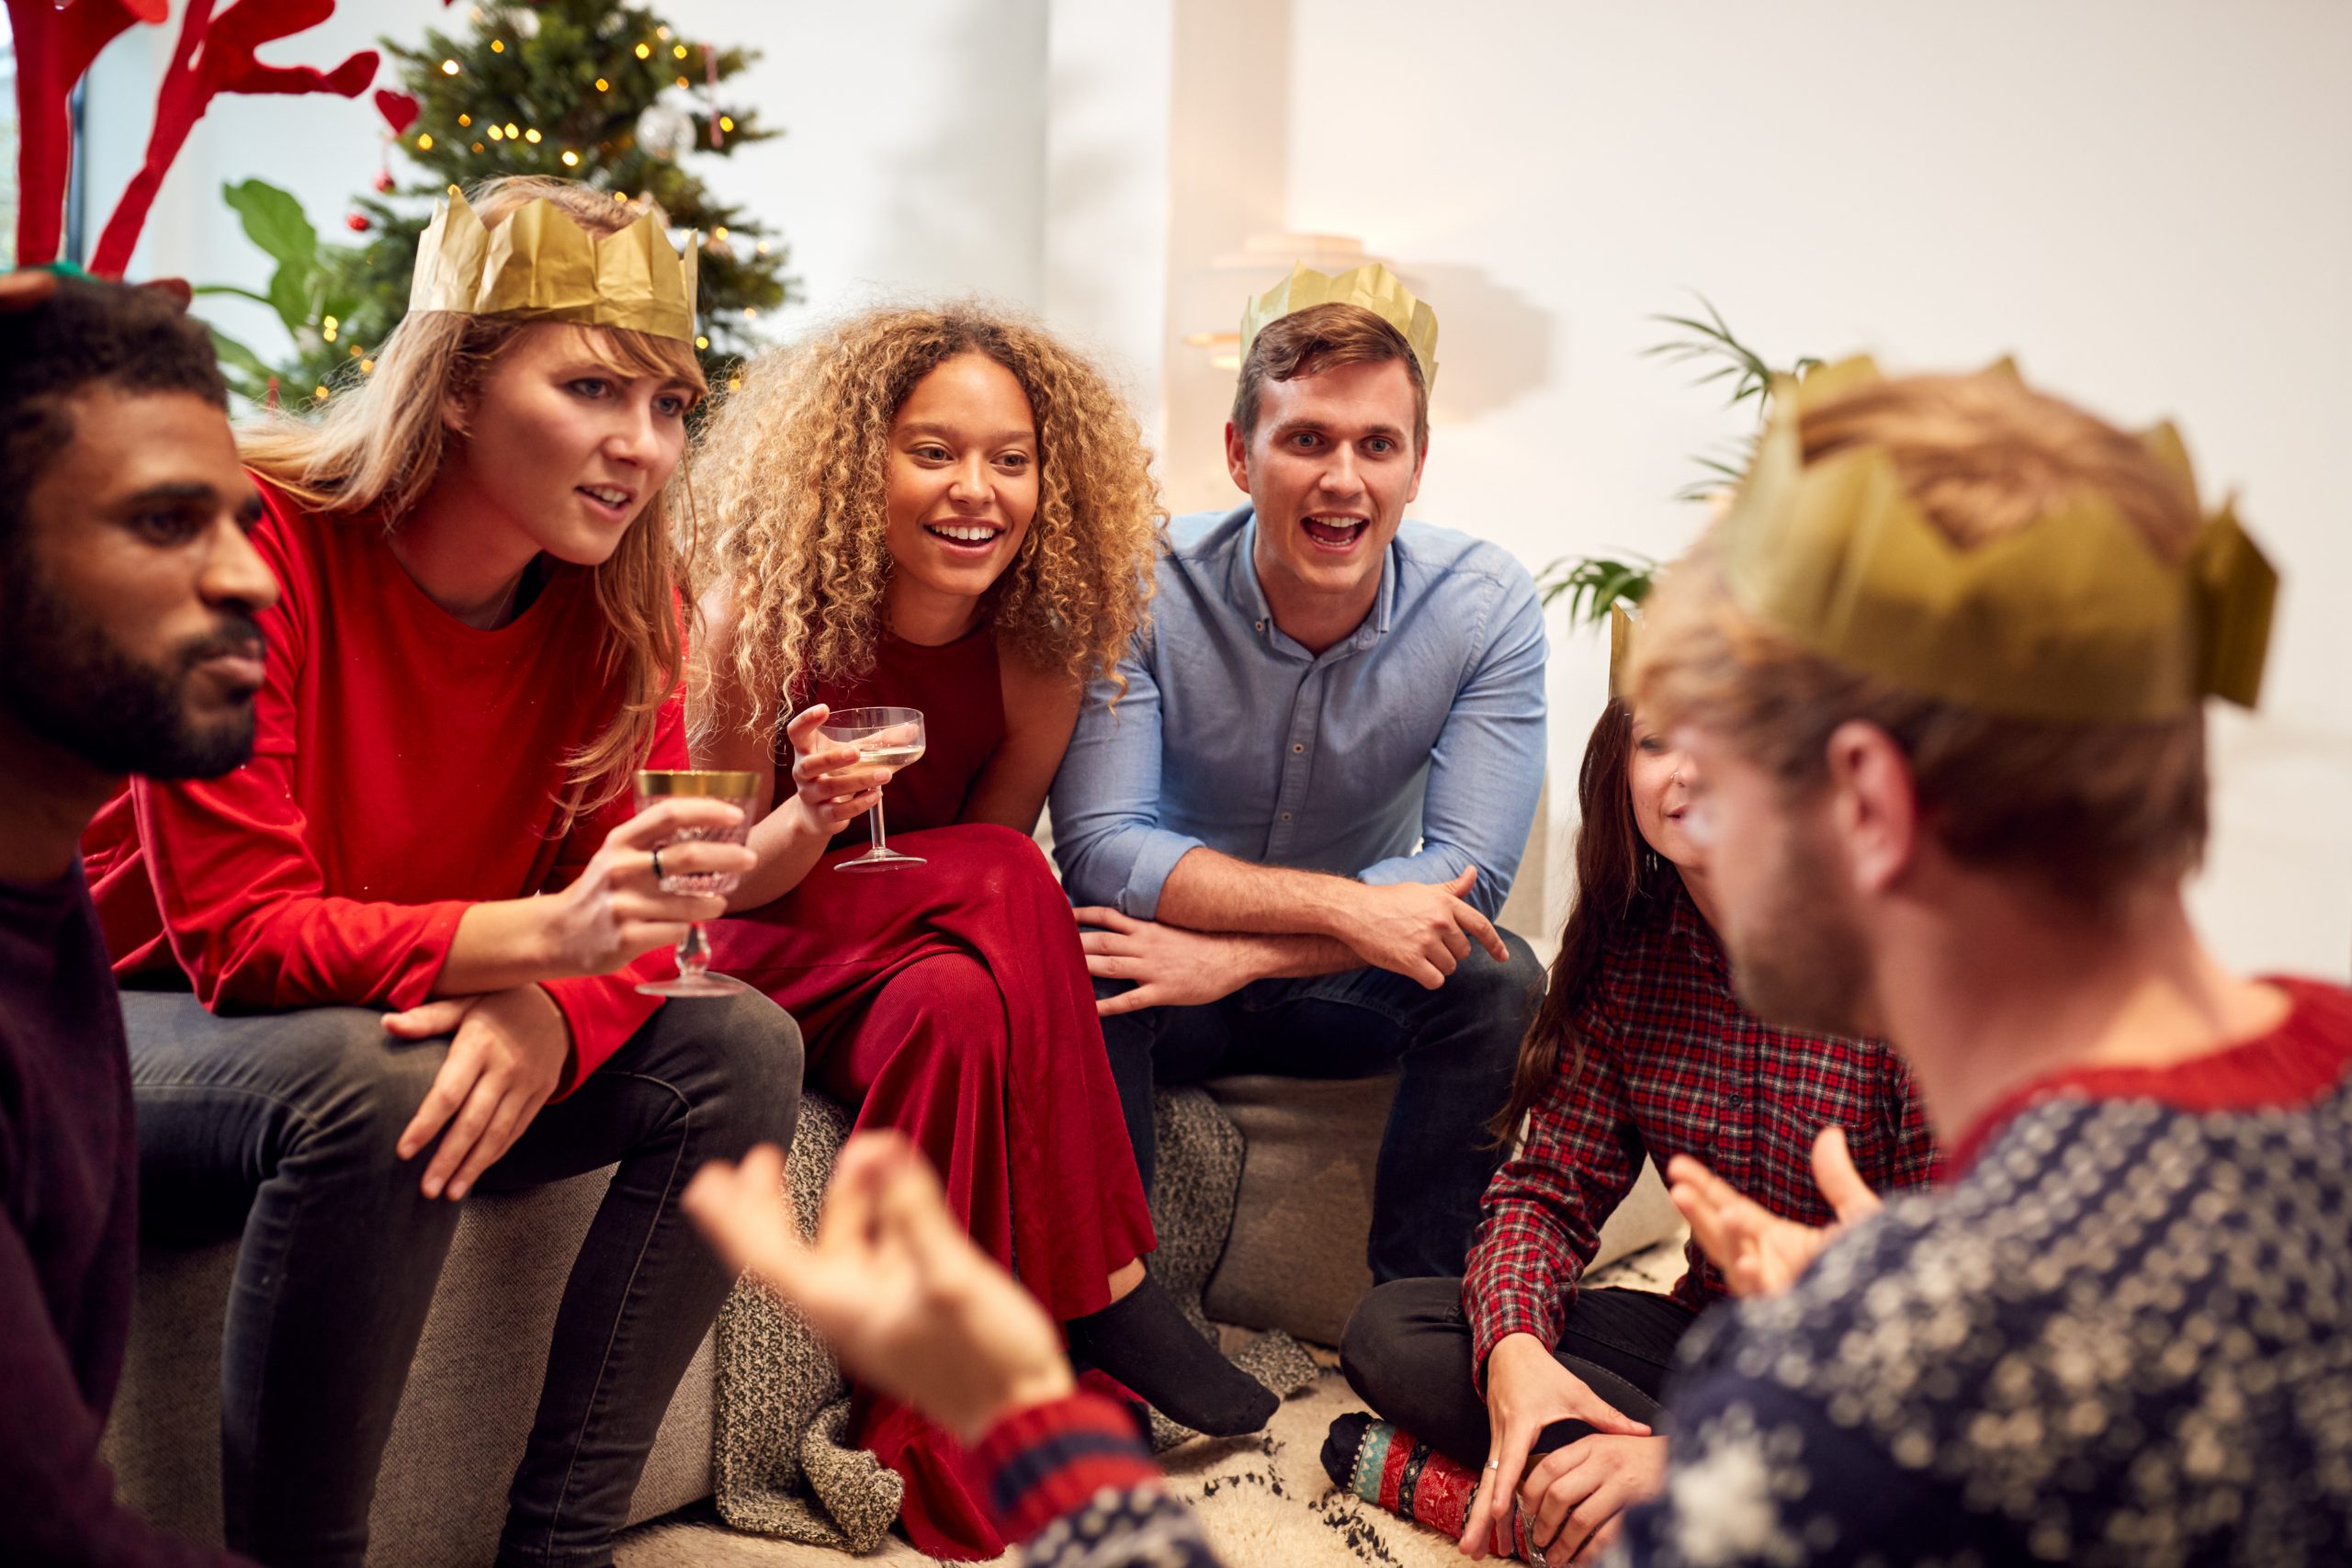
(913, 161)
(2143, 199)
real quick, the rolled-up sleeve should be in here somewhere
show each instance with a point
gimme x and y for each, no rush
(1486, 768)
(1107, 837)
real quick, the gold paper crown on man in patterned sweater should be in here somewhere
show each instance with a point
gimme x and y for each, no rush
(1372, 285)
(2073, 618)
(540, 265)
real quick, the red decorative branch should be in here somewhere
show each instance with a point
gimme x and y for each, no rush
(215, 55)
(53, 48)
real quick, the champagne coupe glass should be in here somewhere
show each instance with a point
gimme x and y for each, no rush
(887, 738)
(738, 789)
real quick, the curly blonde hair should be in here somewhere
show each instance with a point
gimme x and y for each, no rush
(793, 466)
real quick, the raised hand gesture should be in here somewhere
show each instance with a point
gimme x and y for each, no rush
(1760, 1253)
(892, 1283)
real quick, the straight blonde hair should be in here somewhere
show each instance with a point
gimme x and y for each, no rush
(380, 442)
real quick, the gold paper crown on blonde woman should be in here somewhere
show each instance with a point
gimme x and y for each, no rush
(2073, 618)
(1372, 285)
(540, 265)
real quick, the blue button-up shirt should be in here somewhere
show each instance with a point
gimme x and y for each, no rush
(1411, 748)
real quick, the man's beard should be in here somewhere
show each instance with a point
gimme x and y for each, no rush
(1800, 962)
(61, 679)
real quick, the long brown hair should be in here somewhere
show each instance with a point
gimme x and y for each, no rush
(379, 443)
(1621, 882)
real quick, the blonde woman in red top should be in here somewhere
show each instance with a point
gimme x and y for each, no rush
(412, 924)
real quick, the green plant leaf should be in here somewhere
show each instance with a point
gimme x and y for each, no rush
(1592, 583)
(290, 294)
(245, 370)
(232, 288)
(274, 220)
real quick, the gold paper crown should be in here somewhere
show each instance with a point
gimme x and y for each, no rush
(540, 265)
(1372, 285)
(2073, 618)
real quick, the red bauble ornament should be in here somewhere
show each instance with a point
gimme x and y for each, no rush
(384, 182)
(357, 223)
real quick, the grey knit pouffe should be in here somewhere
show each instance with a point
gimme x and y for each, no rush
(1198, 1179)
(779, 1461)
(781, 1465)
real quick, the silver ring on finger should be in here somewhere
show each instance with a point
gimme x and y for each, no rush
(656, 866)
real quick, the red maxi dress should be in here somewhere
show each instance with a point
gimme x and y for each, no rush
(950, 1000)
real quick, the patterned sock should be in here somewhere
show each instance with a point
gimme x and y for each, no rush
(1386, 1468)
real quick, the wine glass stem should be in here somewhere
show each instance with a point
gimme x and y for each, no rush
(694, 952)
(881, 848)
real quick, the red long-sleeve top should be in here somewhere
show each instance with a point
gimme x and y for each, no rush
(406, 766)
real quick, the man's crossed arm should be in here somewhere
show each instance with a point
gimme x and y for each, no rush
(1224, 922)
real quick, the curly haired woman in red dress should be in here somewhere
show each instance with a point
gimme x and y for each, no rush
(944, 510)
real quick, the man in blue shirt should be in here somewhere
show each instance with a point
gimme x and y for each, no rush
(1294, 824)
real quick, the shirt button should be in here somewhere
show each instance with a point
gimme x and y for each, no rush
(1261, 625)
(1296, 747)
(1286, 816)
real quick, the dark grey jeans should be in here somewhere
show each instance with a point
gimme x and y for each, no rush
(1452, 1048)
(1406, 1351)
(281, 1128)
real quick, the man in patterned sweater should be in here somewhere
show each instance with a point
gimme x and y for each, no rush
(1941, 668)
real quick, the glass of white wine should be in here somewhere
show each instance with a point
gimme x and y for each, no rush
(885, 738)
(738, 790)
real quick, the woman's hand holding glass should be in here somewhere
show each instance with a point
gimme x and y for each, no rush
(832, 785)
(890, 738)
(661, 790)
(616, 908)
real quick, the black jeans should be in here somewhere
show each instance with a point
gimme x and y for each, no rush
(1406, 1351)
(281, 1127)
(1455, 1047)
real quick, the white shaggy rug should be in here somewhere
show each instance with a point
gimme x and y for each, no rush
(1263, 1500)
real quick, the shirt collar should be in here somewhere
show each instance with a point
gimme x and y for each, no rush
(1692, 930)
(1244, 591)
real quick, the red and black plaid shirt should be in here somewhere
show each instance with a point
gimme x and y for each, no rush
(1673, 1065)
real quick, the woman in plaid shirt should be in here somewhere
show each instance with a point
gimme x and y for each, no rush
(1640, 1049)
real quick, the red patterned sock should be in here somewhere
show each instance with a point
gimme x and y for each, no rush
(1388, 1467)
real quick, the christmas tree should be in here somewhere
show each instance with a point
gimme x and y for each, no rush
(583, 89)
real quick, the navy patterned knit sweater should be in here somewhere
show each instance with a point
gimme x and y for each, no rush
(2123, 1335)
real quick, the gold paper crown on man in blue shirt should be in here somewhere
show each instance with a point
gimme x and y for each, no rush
(2073, 618)
(1370, 286)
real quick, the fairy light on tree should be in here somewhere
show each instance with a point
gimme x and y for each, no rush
(578, 89)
